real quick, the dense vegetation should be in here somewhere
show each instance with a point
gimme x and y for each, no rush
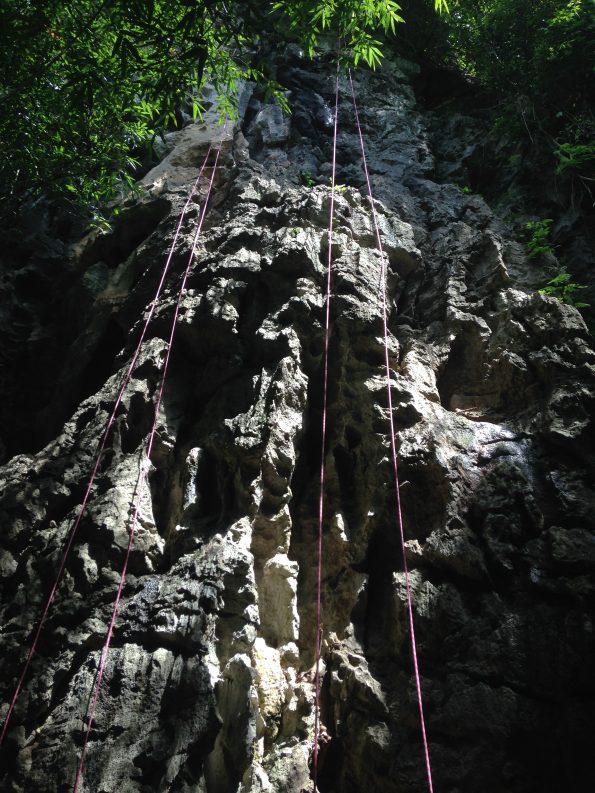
(537, 56)
(84, 86)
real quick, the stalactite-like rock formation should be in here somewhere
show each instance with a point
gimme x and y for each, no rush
(209, 677)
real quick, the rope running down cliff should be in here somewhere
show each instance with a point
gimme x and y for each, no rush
(393, 444)
(98, 457)
(142, 477)
(318, 637)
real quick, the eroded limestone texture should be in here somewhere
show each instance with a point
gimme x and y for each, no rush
(209, 684)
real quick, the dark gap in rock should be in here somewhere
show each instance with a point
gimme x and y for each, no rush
(383, 556)
(252, 309)
(85, 417)
(323, 260)
(450, 376)
(316, 347)
(567, 452)
(187, 646)
(438, 86)
(152, 769)
(405, 302)
(437, 576)
(308, 463)
(304, 484)
(292, 75)
(382, 637)
(220, 392)
(100, 366)
(213, 491)
(11, 610)
(292, 261)
(45, 562)
(250, 114)
(273, 219)
(249, 239)
(198, 750)
(215, 497)
(159, 485)
(369, 351)
(346, 467)
(286, 316)
(174, 523)
(107, 459)
(424, 491)
(270, 210)
(31, 285)
(344, 156)
(353, 437)
(9, 751)
(171, 511)
(564, 735)
(40, 416)
(136, 424)
(331, 753)
(115, 684)
(59, 505)
(131, 228)
(149, 369)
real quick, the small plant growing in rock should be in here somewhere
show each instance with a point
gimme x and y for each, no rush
(295, 231)
(339, 188)
(564, 289)
(307, 179)
(538, 232)
(575, 158)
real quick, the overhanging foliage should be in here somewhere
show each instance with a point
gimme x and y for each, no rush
(85, 85)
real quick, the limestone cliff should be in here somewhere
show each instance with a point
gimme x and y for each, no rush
(209, 678)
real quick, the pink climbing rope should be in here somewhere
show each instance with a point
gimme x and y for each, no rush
(144, 468)
(318, 639)
(101, 449)
(394, 453)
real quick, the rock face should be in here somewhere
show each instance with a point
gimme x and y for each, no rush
(209, 683)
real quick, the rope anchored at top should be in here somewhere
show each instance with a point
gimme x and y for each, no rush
(141, 482)
(393, 443)
(393, 447)
(99, 456)
(327, 333)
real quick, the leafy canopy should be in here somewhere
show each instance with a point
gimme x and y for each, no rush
(85, 86)
(355, 21)
(537, 55)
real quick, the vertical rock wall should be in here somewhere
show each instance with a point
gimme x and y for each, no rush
(209, 682)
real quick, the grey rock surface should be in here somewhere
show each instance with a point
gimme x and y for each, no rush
(209, 680)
